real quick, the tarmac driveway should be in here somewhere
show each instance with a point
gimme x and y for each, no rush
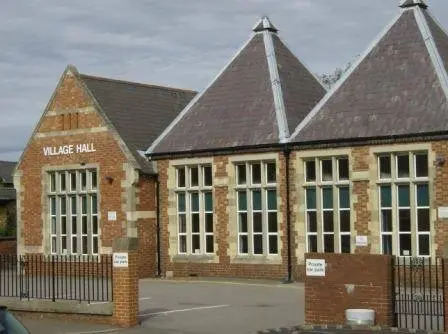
(219, 307)
(213, 306)
(195, 307)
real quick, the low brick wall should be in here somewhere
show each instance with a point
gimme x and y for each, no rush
(122, 311)
(8, 245)
(350, 281)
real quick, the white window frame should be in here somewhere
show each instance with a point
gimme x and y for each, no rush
(307, 223)
(207, 234)
(201, 189)
(319, 184)
(340, 210)
(242, 235)
(53, 223)
(407, 208)
(271, 234)
(201, 227)
(249, 188)
(74, 211)
(324, 233)
(417, 208)
(181, 235)
(394, 182)
(385, 208)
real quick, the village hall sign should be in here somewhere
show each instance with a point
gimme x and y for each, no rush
(69, 149)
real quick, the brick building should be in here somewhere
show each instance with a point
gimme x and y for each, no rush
(261, 167)
(81, 181)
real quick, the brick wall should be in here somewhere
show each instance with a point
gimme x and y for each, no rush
(84, 126)
(225, 264)
(351, 281)
(147, 227)
(440, 196)
(8, 245)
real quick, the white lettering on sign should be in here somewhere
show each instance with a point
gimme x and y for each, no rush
(121, 260)
(68, 149)
(315, 267)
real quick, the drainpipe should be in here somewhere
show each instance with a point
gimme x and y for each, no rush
(286, 153)
(159, 266)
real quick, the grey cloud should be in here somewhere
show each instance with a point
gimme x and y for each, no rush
(181, 43)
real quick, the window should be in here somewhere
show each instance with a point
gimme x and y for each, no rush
(404, 204)
(74, 224)
(327, 205)
(256, 193)
(194, 194)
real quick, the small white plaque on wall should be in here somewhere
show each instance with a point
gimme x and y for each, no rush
(121, 260)
(443, 212)
(361, 241)
(112, 215)
(315, 267)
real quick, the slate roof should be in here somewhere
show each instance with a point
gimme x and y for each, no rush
(6, 171)
(258, 99)
(138, 112)
(398, 88)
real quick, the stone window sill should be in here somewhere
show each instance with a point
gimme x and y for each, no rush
(195, 258)
(262, 259)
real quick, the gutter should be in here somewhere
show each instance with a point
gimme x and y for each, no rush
(159, 265)
(287, 153)
(315, 144)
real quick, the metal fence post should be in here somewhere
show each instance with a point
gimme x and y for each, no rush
(53, 282)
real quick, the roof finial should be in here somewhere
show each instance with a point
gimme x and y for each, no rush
(413, 3)
(264, 24)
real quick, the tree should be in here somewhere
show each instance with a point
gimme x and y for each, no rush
(329, 79)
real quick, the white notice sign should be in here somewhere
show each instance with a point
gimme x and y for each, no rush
(361, 241)
(443, 212)
(315, 267)
(111, 215)
(121, 260)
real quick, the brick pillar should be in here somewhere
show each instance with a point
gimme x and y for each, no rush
(125, 283)
(350, 281)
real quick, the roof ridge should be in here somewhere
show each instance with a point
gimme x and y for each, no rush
(279, 102)
(345, 76)
(433, 51)
(436, 21)
(187, 108)
(127, 82)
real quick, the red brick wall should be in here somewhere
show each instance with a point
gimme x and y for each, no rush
(147, 228)
(69, 95)
(327, 298)
(360, 189)
(225, 268)
(71, 121)
(126, 291)
(8, 246)
(108, 156)
(440, 195)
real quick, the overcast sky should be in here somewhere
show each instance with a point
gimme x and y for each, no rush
(180, 43)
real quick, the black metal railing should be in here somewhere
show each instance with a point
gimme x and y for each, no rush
(418, 289)
(57, 277)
